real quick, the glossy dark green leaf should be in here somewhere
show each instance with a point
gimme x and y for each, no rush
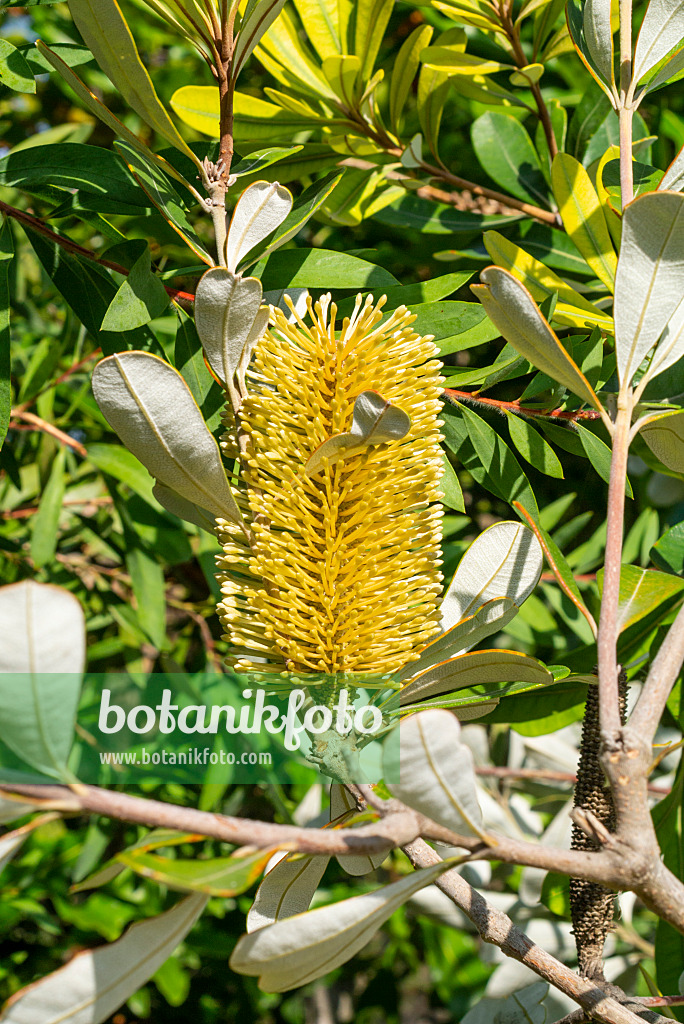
(668, 819)
(45, 523)
(598, 453)
(504, 477)
(322, 268)
(455, 325)
(588, 117)
(260, 158)
(451, 487)
(553, 248)
(189, 361)
(117, 461)
(14, 71)
(88, 289)
(141, 296)
(72, 165)
(506, 153)
(533, 448)
(668, 552)
(71, 53)
(6, 255)
(646, 179)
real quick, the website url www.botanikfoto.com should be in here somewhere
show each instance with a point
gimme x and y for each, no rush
(193, 755)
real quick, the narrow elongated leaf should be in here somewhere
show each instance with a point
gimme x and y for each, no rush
(450, 486)
(405, 68)
(453, 61)
(474, 669)
(433, 89)
(198, 106)
(370, 22)
(107, 35)
(375, 421)
(299, 949)
(42, 638)
(513, 560)
(287, 889)
(437, 772)
(141, 297)
(90, 100)
(226, 306)
(325, 24)
(6, 255)
(533, 448)
(494, 465)
(493, 616)
(664, 435)
(505, 151)
(218, 876)
(258, 17)
(650, 277)
(661, 30)
(95, 983)
(673, 179)
(599, 454)
(598, 36)
(510, 306)
(583, 217)
(150, 407)
(46, 521)
(184, 509)
(259, 211)
(12, 842)
(342, 806)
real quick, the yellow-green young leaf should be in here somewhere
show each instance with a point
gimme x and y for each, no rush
(106, 33)
(536, 276)
(664, 435)
(404, 71)
(287, 889)
(433, 89)
(468, 14)
(322, 20)
(299, 949)
(583, 217)
(198, 107)
(283, 53)
(527, 76)
(97, 982)
(342, 72)
(98, 108)
(219, 876)
(371, 17)
(533, 448)
(257, 18)
(456, 62)
(613, 220)
(375, 421)
(512, 309)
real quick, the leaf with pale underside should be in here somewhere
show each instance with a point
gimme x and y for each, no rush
(98, 108)
(342, 803)
(179, 506)
(226, 306)
(664, 435)
(298, 296)
(261, 208)
(661, 30)
(42, 640)
(474, 669)
(287, 889)
(650, 277)
(437, 772)
(150, 407)
(97, 982)
(505, 560)
(491, 617)
(299, 949)
(513, 311)
(598, 36)
(11, 809)
(375, 421)
(108, 37)
(673, 179)
(670, 347)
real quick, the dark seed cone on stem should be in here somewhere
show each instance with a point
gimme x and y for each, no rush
(592, 905)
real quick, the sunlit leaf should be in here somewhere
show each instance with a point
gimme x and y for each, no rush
(583, 217)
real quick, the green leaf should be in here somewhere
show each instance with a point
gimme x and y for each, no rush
(668, 552)
(106, 32)
(325, 24)
(641, 592)
(42, 639)
(198, 107)
(583, 217)
(46, 520)
(533, 448)
(405, 68)
(579, 21)
(14, 70)
(504, 475)
(260, 158)
(118, 462)
(370, 21)
(510, 306)
(645, 177)
(475, 668)
(141, 296)
(164, 196)
(257, 18)
(668, 819)
(322, 268)
(453, 61)
(506, 153)
(451, 487)
(599, 454)
(664, 435)
(71, 165)
(70, 53)
(220, 876)
(433, 89)
(188, 359)
(6, 255)
(588, 117)
(88, 289)
(423, 215)
(661, 30)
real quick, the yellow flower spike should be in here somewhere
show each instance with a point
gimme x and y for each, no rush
(343, 573)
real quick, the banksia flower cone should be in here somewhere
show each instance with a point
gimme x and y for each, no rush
(342, 572)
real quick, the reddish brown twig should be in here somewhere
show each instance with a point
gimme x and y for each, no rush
(36, 423)
(453, 395)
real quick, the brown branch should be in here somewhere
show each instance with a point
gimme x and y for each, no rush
(544, 775)
(452, 395)
(36, 423)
